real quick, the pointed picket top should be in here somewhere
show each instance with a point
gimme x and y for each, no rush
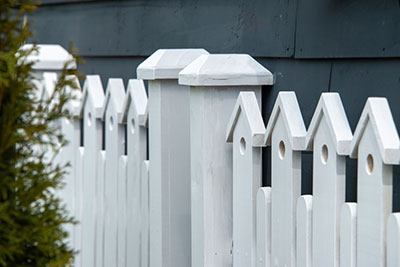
(287, 105)
(330, 106)
(49, 57)
(225, 70)
(247, 104)
(115, 93)
(93, 90)
(377, 112)
(136, 96)
(167, 63)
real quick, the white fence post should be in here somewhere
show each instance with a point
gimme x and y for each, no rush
(376, 145)
(215, 82)
(114, 146)
(329, 135)
(393, 240)
(263, 236)
(304, 232)
(286, 135)
(246, 131)
(135, 116)
(48, 58)
(91, 109)
(348, 237)
(169, 156)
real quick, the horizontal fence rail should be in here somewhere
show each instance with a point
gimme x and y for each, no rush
(173, 177)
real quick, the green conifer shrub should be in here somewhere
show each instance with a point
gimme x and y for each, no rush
(32, 217)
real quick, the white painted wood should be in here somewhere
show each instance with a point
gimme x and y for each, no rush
(376, 144)
(71, 131)
(245, 127)
(348, 238)
(122, 208)
(167, 63)
(169, 155)
(393, 240)
(304, 233)
(78, 199)
(135, 116)
(224, 70)
(114, 146)
(263, 235)
(330, 136)
(100, 219)
(145, 233)
(377, 112)
(211, 159)
(286, 135)
(92, 103)
(49, 57)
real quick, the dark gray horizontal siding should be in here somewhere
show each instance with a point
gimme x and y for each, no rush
(348, 28)
(138, 28)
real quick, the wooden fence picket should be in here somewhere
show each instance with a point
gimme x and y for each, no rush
(100, 210)
(135, 117)
(91, 113)
(263, 236)
(329, 135)
(348, 237)
(304, 232)
(121, 211)
(246, 131)
(114, 147)
(286, 135)
(144, 237)
(78, 199)
(393, 240)
(376, 144)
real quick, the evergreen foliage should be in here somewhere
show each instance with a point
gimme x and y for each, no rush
(32, 217)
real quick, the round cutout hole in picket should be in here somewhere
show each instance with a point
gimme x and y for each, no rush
(370, 164)
(324, 154)
(111, 124)
(282, 149)
(242, 145)
(89, 119)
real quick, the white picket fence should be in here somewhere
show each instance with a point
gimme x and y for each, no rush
(198, 200)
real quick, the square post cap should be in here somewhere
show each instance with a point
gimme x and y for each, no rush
(49, 57)
(225, 70)
(167, 63)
